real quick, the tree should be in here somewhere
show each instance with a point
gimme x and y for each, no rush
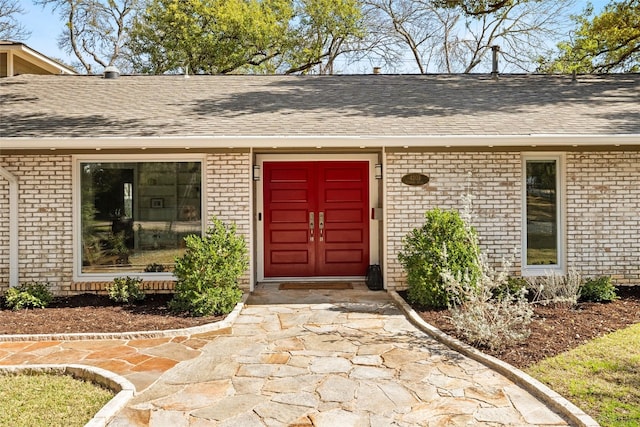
(10, 28)
(325, 30)
(476, 7)
(96, 31)
(609, 42)
(446, 38)
(225, 36)
(209, 36)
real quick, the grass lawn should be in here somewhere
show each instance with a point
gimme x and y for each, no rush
(601, 377)
(49, 400)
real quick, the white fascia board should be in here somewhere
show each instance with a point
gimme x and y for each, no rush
(329, 141)
(26, 52)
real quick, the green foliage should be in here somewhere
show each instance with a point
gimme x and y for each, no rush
(321, 31)
(209, 270)
(442, 243)
(208, 36)
(512, 286)
(609, 42)
(600, 289)
(29, 295)
(126, 290)
(154, 268)
(250, 36)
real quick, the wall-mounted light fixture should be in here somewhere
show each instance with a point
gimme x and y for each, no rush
(378, 171)
(256, 172)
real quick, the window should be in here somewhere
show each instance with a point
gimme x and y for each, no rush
(134, 216)
(542, 248)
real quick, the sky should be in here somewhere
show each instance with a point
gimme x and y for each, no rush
(45, 27)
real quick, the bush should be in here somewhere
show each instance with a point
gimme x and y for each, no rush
(126, 290)
(599, 289)
(442, 243)
(154, 268)
(209, 270)
(492, 312)
(29, 295)
(557, 289)
(512, 286)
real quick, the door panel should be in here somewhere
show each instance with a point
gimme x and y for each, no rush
(316, 218)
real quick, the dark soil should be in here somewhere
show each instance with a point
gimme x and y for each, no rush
(553, 330)
(97, 313)
(556, 329)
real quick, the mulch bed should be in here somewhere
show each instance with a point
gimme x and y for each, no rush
(97, 313)
(556, 329)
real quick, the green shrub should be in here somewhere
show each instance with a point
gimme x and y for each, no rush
(442, 243)
(514, 285)
(29, 295)
(600, 289)
(126, 289)
(209, 270)
(154, 268)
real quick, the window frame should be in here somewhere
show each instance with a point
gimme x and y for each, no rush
(78, 275)
(560, 266)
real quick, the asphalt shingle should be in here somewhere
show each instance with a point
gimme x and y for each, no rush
(366, 105)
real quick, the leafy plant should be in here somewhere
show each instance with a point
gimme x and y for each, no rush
(512, 286)
(600, 289)
(126, 290)
(209, 270)
(492, 310)
(154, 268)
(28, 295)
(441, 244)
(557, 289)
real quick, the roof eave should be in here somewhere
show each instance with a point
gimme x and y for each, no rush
(329, 141)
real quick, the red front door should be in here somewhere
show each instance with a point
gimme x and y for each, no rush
(316, 219)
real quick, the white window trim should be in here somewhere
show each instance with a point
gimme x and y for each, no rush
(78, 275)
(560, 267)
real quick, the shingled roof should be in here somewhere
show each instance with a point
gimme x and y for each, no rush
(35, 107)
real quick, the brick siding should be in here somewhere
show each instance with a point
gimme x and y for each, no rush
(493, 178)
(46, 216)
(603, 214)
(45, 219)
(602, 209)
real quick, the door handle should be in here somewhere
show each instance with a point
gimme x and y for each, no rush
(312, 225)
(321, 225)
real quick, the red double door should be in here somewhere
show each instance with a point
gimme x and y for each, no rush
(316, 220)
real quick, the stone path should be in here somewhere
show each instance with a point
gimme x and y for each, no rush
(141, 361)
(329, 358)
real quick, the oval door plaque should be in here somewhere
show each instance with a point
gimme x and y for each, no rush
(415, 179)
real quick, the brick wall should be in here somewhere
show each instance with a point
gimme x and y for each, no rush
(229, 193)
(45, 219)
(603, 214)
(46, 216)
(602, 205)
(493, 178)
(4, 234)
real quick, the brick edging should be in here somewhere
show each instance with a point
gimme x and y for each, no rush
(551, 398)
(124, 389)
(194, 330)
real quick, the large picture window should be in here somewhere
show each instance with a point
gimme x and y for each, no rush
(543, 225)
(135, 215)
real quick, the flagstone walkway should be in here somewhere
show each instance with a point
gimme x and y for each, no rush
(330, 358)
(300, 358)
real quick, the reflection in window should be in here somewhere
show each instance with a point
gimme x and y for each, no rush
(542, 209)
(135, 215)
